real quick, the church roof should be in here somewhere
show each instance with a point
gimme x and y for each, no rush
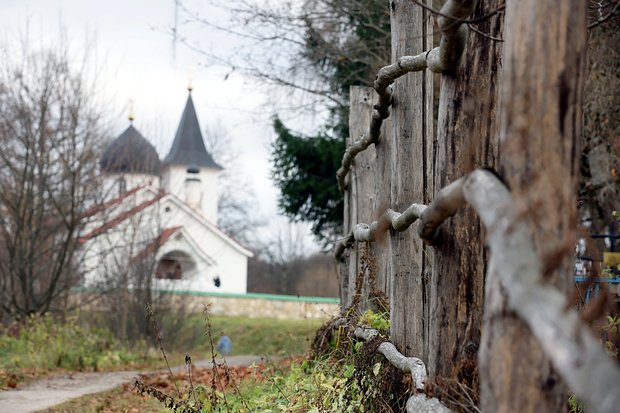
(149, 196)
(121, 217)
(130, 153)
(188, 147)
(156, 243)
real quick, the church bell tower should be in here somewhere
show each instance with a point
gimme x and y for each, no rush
(189, 172)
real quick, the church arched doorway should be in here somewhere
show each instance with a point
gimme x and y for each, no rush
(174, 265)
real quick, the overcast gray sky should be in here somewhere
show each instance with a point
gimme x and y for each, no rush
(132, 46)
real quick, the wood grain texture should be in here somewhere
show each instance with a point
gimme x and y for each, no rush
(360, 193)
(539, 146)
(364, 172)
(466, 140)
(411, 179)
(381, 249)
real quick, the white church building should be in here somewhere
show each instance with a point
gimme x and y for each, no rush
(160, 218)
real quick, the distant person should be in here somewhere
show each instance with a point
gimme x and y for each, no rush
(224, 345)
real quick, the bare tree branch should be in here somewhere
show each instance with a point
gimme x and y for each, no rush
(412, 365)
(50, 131)
(389, 219)
(565, 338)
(446, 57)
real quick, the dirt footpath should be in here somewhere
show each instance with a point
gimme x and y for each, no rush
(55, 390)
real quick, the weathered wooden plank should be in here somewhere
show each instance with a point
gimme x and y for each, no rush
(466, 140)
(364, 171)
(381, 249)
(539, 137)
(351, 207)
(409, 180)
(343, 263)
(360, 193)
(566, 339)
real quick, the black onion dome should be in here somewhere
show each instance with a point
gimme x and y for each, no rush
(188, 147)
(130, 153)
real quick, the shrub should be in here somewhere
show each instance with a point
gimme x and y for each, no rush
(44, 343)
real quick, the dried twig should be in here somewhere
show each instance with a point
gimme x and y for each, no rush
(215, 376)
(151, 317)
(420, 403)
(188, 363)
(167, 400)
(483, 34)
(457, 19)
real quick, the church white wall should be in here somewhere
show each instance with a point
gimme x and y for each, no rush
(232, 272)
(108, 255)
(135, 180)
(174, 182)
(228, 263)
(211, 193)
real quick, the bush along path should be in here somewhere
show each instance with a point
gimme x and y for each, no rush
(49, 392)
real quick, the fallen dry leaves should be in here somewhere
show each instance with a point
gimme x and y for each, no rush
(125, 399)
(223, 377)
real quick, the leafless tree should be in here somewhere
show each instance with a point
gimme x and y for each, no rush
(50, 130)
(311, 49)
(123, 260)
(236, 215)
(280, 261)
(318, 277)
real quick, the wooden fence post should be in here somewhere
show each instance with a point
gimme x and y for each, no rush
(360, 194)
(382, 251)
(539, 137)
(466, 140)
(371, 171)
(411, 179)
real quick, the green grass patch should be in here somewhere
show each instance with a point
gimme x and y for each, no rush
(45, 343)
(345, 375)
(250, 336)
(42, 344)
(320, 385)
